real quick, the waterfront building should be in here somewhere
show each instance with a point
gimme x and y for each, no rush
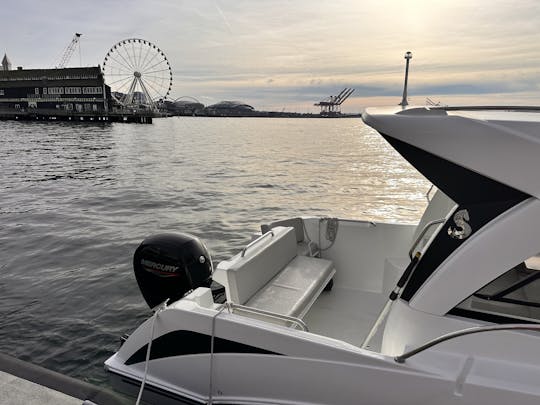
(184, 107)
(79, 90)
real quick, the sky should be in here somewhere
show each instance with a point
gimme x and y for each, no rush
(287, 55)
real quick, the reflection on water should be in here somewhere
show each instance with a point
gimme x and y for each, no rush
(77, 200)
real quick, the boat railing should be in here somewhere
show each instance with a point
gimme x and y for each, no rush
(428, 194)
(264, 235)
(469, 331)
(232, 307)
(421, 234)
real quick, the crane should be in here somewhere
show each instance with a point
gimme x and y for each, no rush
(68, 52)
(331, 105)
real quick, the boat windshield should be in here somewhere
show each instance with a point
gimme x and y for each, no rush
(515, 294)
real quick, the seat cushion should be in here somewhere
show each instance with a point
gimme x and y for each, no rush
(295, 288)
(243, 276)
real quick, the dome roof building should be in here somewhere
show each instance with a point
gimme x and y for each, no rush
(230, 108)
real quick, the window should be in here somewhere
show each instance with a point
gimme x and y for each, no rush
(55, 90)
(92, 90)
(44, 90)
(36, 90)
(1, 92)
(72, 90)
(515, 294)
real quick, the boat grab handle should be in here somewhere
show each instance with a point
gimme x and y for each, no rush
(428, 194)
(424, 230)
(463, 332)
(256, 241)
(268, 314)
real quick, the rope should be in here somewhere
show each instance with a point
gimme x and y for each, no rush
(313, 248)
(332, 226)
(159, 308)
(211, 382)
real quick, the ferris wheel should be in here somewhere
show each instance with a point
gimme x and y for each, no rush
(138, 72)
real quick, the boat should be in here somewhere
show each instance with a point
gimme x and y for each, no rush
(342, 311)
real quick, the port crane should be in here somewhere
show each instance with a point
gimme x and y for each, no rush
(332, 105)
(68, 52)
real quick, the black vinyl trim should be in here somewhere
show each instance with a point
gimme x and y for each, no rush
(509, 300)
(483, 198)
(185, 342)
(443, 245)
(482, 316)
(462, 185)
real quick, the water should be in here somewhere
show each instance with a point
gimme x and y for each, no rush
(76, 201)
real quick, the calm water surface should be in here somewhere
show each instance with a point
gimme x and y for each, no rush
(76, 200)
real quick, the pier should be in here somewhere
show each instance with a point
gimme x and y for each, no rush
(70, 116)
(22, 383)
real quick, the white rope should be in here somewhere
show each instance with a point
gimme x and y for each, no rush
(332, 226)
(158, 309)
(211, 380)
(312, 246)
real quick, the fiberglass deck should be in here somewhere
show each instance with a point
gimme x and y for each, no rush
(347, 315)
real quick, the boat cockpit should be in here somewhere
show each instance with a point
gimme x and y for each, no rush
(450, 306)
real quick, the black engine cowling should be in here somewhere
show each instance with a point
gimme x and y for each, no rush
(169, 265)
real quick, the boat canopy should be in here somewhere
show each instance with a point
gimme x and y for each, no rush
(461, 149)
(484, 160)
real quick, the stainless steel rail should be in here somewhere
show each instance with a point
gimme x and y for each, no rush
(428, 194)
(357, 221)
(469, 331)
(421, 235)
(264, 235)
(268, 314)
(489, 107)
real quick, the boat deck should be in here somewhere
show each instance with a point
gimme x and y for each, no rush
(347, 315)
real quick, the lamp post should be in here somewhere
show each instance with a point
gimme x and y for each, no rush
(408, 57)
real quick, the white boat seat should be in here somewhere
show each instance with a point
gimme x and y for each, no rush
(271, 275)
(304, 247)
(294, 290)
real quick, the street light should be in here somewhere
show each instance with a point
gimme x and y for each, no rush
(408, 57)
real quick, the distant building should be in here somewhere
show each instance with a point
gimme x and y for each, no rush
(81, 90)
(6, 64)
(183, 107)
(230, 109)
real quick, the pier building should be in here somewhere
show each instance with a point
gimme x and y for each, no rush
(79, 90)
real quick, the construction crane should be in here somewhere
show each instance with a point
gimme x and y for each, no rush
(332, 105)
(68, 52)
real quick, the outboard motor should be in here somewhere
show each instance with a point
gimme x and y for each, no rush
(169, 265)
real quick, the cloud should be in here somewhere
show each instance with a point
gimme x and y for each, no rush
(277, 50)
